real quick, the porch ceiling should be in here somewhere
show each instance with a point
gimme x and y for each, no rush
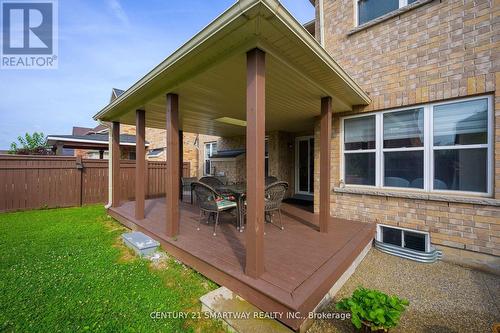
(209, 75)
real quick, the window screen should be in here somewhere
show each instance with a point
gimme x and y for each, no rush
(414, 240)
(391, 236)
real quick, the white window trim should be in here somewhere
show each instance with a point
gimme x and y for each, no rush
(379, 236)
(208, 156)
(402, 3)
(428, 150)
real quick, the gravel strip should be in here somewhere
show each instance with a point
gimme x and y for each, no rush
(443, 297)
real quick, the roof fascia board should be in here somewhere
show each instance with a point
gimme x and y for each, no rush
(55, 138)
(300, 32)
(228, 16)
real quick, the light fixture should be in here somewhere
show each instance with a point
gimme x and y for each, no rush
(232, 121)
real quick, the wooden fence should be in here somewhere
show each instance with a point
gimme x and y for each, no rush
(31, 182)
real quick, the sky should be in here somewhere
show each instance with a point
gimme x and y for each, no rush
(103, 44)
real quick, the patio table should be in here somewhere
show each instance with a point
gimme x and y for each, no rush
(239, 191)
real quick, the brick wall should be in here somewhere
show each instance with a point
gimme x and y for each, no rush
(281, 148)
(157, 139)
(440, 50)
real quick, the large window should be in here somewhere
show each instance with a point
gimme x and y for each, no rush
(368, 10)
(403, 148)
(210, 150)
(461, 146)
(436, 147)
(359, 145)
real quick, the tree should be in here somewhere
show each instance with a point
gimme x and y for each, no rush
(35, 144)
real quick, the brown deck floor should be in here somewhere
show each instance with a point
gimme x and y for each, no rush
(301, 264)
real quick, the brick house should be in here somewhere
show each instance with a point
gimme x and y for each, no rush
(415, 60)
(440, 60)
(90, 143)
(384, 117)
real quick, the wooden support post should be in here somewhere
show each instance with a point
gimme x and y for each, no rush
(324, 163)
(140, 163)
(146, 179)
(79, 167)
(181, 163)
(115, 164)
(172, 177)
(255, 151)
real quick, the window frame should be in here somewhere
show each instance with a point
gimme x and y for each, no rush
(207, 156)
(379, 236)
(360, 151)
(428, 149)
(402, 3)
(379, 136)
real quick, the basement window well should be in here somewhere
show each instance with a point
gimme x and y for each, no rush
(406, 243)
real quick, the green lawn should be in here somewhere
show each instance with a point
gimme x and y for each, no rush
(65, 270)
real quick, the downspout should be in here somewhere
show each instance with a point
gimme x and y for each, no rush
(110, 159)
(321, 15)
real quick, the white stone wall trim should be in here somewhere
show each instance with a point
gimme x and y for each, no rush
(419, 196)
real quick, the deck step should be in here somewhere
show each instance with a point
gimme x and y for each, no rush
(236, 314)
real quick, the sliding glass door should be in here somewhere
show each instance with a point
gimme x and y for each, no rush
(304, 165)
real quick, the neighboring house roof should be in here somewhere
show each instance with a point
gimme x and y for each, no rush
(99, 129)
(115, 93)
(103, 139)
(156, 152)
(80, 130)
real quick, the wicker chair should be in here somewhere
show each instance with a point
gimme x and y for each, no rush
(209, 201)
(274, 195)
(211, 181)
(270, 180)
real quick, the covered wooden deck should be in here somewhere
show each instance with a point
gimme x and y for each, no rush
(252, 71)
(301, 264)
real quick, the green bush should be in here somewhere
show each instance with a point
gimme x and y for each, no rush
(373, 308)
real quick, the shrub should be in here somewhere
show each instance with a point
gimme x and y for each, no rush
(373, 308)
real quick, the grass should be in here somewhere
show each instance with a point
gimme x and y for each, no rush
(65, 270)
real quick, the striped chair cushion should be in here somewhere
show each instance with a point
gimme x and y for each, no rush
(225, 204)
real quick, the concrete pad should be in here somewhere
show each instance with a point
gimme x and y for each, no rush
(237, 315)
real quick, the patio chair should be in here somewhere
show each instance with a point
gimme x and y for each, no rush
(270, 179)
(186, 185)
(222, 179)
(211, 181)
(209, 201)
(273, 194)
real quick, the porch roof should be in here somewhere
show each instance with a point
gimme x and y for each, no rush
(209, 75)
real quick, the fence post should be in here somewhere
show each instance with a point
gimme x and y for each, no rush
(79, 167)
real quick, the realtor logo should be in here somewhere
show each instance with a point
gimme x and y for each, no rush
(29, 37)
